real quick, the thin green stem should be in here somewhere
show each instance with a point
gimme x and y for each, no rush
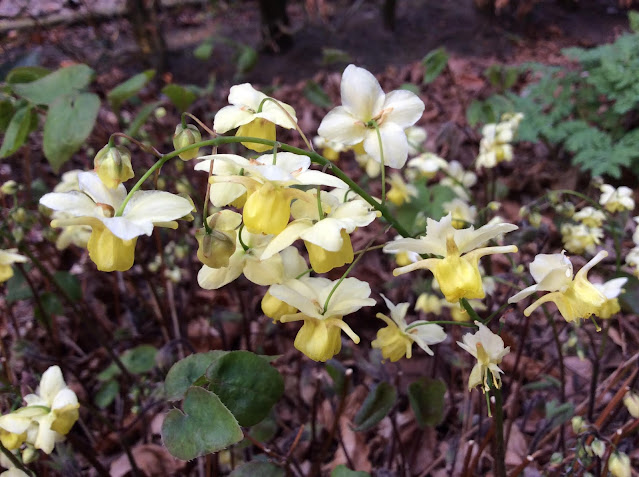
(239, 237)
(381, 157)
(441, 322)
(14, 460)
(315, 157)
(469, 309)
(498, 311)
(293, 121)
(500, 448)
(320, 210)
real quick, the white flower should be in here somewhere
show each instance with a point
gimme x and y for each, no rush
(416, 137)
(579, 238)
(459, 180)
(590, 217)
(488, 349)
(112, 242)
(365, 105)
(463, 213)
(427, 164)
(616, 200)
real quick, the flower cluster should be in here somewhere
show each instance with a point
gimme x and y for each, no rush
(495, 146)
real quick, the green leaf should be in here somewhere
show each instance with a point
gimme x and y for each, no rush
(410, 87)
(26, 74)
(633, 18)
(334, 55)
(316, 95)
(182, 97)
(426, 397)
(246, 384)
(70, 284)
(337, 372)
(205, 426)
(62, 82)
(128, 88)
(6, 113)
(140, 359)
(559, 413)
(50, 304)
(17, 131)
(204, 50)
(343, 471)
(376, 406)
(18, 288)
(187, 372)
(141, 118)
(434, 64)
(106, 394)
(258, 468)
(245, 59)
(69, 122)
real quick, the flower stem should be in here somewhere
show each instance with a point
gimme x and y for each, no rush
(14, 460)
(442, 322)
(469, 309)
(500, 450)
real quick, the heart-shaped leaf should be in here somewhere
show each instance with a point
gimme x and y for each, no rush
(376, 406)
(187, 371)
(205, 426)
(247, 384)
(52, 86)
(426, 397)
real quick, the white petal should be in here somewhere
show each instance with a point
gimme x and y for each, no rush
(341, 126)
(293, 263)
(543, 264)
(429, 334)
(264, 272)
(90, 183)
(156, 206)
(214, 278)
(273, 113)
(51, 383)
(286, 237)
(126, 229)
(351, 295)
(311, 177)
(245, 95)
(74, 203)
(326, 234)
(526, 292)
(222, 194)
(362, 95)
(225, 164)
(231, 117)
(64, 398)
(7, 257)
(469, 239)
(394, 143)
(15, 422)
(406, 108)
(301, 295)
(421, 246)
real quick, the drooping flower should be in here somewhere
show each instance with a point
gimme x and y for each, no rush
(426, 165)
(463, 213)
(320, 335)
(458, 271)
(616, 200)
(396, 340)
(488, 349)
(113, 238)
(459, 179)
(254, 114)
(575, 298)
(368, 115)
(495, 146)
(400, 192)
(266, 180)
(7, 258)
(590, 217)
(329, 149)
(579, 238)
(49, 415)
(611, 290)
(416, 136)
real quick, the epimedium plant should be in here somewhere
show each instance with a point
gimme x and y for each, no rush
(246, 229)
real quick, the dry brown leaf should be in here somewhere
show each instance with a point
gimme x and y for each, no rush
(152, 459)
(517, 447)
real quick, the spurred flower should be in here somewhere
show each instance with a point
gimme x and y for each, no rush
(488, 349)
(367, 112)
(113, 238)
(575, 298)
(396, 340)
(320, 335)
(7, 258)
(457, 272)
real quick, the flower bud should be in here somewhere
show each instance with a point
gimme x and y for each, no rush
(619, 465)
(9, 187)
(216, 248)
(29, 455)
(113, 165)
(598, 448)
(631, 401)
(186, 136)
(578, 424)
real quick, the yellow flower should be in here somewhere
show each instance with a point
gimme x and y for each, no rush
(631, 401)
(619, 465)
(112, 241)
(590, 217)
(488, 349)
(616, 200)
(576, 298)
(611, 290)
(396, 340)
(7, 257)
(323, 260)
(579, 238)
(457, 272)
(113, 165)
(254, 114)
(320, 335)
(400, 192)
